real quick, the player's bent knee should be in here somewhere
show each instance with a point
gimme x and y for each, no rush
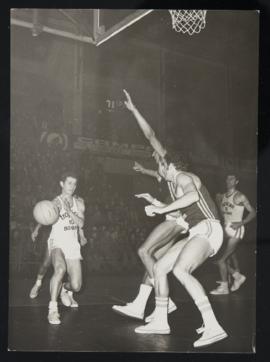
(76, 285)
(181, 272)
(60, 270)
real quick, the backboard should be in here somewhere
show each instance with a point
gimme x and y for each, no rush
(110, 22)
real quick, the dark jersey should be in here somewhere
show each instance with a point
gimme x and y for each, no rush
(204, 208)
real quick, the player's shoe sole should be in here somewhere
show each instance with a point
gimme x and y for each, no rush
(125, 311)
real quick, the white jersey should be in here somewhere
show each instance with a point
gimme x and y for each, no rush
(65, 228)
(230, 210)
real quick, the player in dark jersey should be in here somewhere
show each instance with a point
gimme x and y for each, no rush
(163, 235)
(204, 240)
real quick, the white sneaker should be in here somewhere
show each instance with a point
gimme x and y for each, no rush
(53, 316)
(34, 291)
(74, 303)
(154, 328)
(171, 308)
(210, 336)
(65, 298)
(221, 289)
(238, 282)
(129, 310)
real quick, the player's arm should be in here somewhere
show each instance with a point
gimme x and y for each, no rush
(79, 217)
(150, 199)
(145, 127)
(241, 199)
(139, 168)
(34, 234)
(190, 196)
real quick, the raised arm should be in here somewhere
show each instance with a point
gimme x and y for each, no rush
(144, 126)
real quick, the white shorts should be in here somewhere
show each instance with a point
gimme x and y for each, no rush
(211, 230)
(232, 233)
(179, 220)
(70, 248)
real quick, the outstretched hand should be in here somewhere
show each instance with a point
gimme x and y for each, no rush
(145, 196)
(138, 167)
(128, 103)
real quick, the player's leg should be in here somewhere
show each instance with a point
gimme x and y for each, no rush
(238, 278)
(159, 237)
(46, 262)
(195, 252)
(74, 270)
(136, 308)
(223, 288)
(59, 267)
(158, 319)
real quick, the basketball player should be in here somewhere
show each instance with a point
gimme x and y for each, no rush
(64, 247)
(163, 236)
(232, 205)
(204, 240)
(46, 262)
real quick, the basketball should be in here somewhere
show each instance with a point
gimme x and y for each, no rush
(45, 213)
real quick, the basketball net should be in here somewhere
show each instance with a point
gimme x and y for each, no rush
(188, 21)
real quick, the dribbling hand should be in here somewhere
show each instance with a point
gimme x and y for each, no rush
(34, 235)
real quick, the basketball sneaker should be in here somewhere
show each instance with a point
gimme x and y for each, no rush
(53, 316)
(34, 291)
(154, 327)
(65, 298)
(210, 336)
(221, 289)
(130, 310)
(171, 308)
(73, 302)
(238, 282)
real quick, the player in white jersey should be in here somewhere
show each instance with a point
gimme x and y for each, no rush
(64, 247)
(46, 262)
(163, 236)
(232, 205)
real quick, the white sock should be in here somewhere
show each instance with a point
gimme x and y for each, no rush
(70, 293)
(161, 311)
(143, 295)
(224, 284)
(53, 305)
(207, 313)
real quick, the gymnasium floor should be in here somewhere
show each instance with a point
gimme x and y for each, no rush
(95, 327)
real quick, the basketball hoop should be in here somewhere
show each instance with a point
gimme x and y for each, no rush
(188, 21)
